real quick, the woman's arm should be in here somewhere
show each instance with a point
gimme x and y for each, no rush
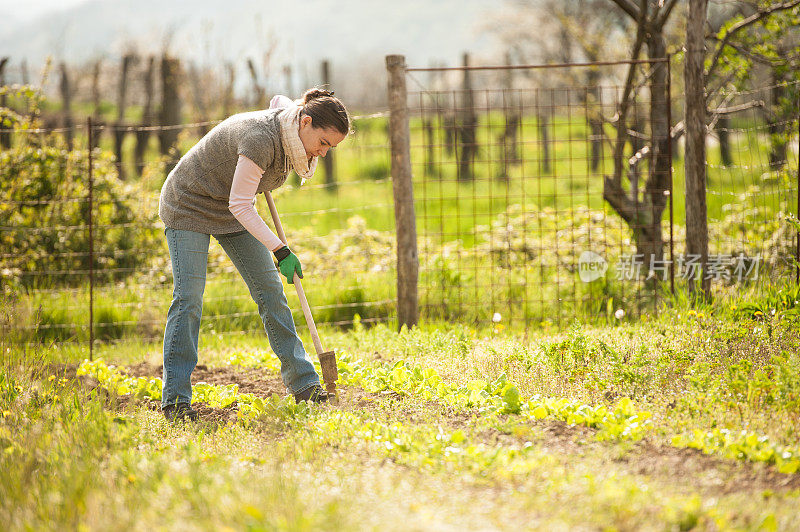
(246, 178)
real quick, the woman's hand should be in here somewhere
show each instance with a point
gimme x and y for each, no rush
(288, 263)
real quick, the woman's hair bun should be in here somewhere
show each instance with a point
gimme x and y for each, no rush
(312, 94)
(326, 110)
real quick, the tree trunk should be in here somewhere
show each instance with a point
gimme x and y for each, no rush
(651, 242)
(450, 132)
(695, 165)
(594, 117)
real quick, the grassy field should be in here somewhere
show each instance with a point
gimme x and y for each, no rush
(687, 421)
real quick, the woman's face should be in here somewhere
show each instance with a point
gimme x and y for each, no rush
(318, 141)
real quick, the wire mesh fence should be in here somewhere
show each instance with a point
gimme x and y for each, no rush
(752, 166)
(541, 195)
(342, 230)
(546, 193)
(523, 214)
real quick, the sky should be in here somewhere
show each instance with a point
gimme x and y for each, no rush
(18, 11)
(77, 30)
(355, 35)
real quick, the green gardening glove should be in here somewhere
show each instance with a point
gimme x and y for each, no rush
(288, 263)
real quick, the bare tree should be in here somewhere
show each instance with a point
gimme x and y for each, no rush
(644, 214)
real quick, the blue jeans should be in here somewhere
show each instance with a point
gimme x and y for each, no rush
(189, 254)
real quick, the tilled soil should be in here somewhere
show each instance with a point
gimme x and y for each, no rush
(652, 459)
(255, 381)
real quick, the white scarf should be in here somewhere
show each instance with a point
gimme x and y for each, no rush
(296, 157)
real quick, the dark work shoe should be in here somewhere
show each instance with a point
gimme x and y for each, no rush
(179, 411)
(315, 394)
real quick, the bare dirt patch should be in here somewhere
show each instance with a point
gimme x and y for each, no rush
(255, 381)
(703, 471)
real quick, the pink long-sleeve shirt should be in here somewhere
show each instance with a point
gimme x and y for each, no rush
(246, 178)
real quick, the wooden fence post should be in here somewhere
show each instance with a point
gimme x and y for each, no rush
(66, 111)
(170, 107)
(258, 90)
(427, 124)
(467, 128)
(327, 161)
(97, 118)
(119, 126)
(142, 134)
(695, 145)
(201, 109)
(405, 221)
(511, 113)
(227, 98)
(90, 143)
(542, 124)
(5, 136)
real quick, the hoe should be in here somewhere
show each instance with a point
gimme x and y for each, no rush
(327, 359)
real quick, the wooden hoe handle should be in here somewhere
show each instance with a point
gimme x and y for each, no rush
(327, 359)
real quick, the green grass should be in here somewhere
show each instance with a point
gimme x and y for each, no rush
(74, 458)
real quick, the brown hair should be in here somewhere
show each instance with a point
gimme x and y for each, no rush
(325, 110)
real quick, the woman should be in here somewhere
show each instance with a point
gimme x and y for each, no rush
(211, 191)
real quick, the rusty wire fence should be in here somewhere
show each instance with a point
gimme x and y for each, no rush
(81, 248)
(546, 193)
(535, 204)
(523, 215)
(753, 177)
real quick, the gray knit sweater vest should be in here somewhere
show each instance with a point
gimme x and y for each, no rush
(196, 193)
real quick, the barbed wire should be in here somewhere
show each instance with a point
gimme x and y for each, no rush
(132, 128)
(300, 325)
(206, 318)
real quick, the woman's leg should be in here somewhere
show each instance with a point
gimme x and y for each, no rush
(254, 262)
(188, 252)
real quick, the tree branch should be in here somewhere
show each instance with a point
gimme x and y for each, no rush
(665, 13)
(625, 102)
(764, 60)
(752, 19)
(737, 108)
(629, 7)
(616, 197)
